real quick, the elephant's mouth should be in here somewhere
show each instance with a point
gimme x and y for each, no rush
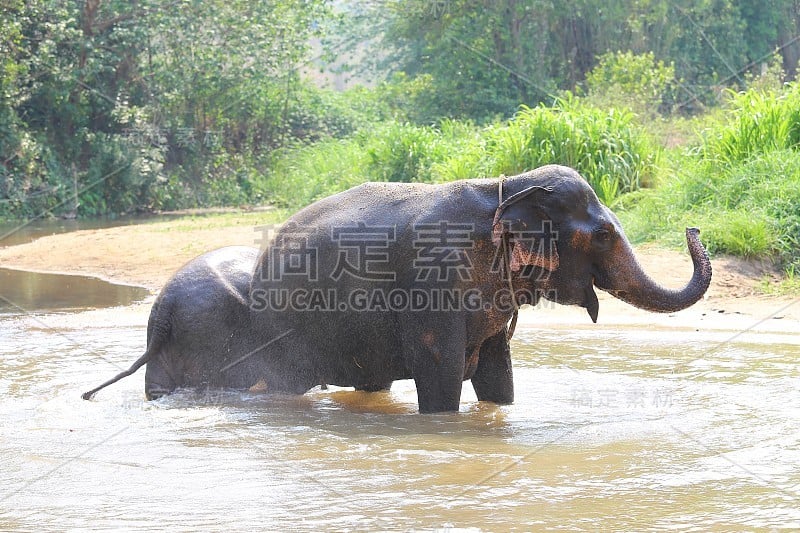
(574, 295)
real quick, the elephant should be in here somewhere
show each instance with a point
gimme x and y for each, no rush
(199, 323)
(389, 281)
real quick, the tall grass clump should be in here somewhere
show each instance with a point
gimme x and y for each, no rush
(761, 121)
(751, 166)
(749, 210)
(301, 175)
(387, 151)
(605, 145)
(741, 184)
(408, 152)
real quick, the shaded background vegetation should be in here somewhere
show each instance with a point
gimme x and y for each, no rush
(676, 112)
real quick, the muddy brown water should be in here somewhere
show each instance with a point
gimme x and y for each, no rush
(22, 291)
(612, 429)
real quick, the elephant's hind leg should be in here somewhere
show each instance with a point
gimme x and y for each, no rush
(493, 380)
(158, 381)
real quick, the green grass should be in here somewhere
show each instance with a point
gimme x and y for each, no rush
(789, 285)
(759, 122)
(606, 146)
(740, 183)
(389, 151)
(303, 175)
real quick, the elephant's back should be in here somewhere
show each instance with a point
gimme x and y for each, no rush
(369, 202)
(218, 277)
(234, 264)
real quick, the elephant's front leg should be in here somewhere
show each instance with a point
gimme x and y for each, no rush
(493, 380)
(436, 355)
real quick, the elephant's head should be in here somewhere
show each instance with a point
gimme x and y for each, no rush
(563, 238)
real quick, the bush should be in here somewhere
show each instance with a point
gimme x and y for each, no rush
(26, 188)
(605, 146)
(314, 114)
(637, 82)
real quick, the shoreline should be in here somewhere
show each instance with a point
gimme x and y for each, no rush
(146, 255)
(99, 276)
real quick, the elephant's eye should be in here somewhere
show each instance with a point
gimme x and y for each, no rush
(602, 234)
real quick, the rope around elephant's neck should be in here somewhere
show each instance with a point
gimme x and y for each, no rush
(506, 252)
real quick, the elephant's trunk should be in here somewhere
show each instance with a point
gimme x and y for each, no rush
(625, 279)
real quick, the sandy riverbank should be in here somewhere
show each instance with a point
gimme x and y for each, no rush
(148, 254)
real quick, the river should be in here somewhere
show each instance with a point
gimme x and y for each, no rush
(613, 429)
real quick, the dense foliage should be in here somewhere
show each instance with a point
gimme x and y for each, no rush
(485, 57)
(111, 106)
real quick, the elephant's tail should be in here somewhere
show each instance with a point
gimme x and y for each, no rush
(157, 332)
(134, 367)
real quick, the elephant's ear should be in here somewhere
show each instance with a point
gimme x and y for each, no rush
(525, 226)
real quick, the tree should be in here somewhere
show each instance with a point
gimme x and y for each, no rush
(100, 98)
(478, 56)
(481, 59)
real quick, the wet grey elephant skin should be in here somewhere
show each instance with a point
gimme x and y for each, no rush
(199, 323)
(391, 281)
